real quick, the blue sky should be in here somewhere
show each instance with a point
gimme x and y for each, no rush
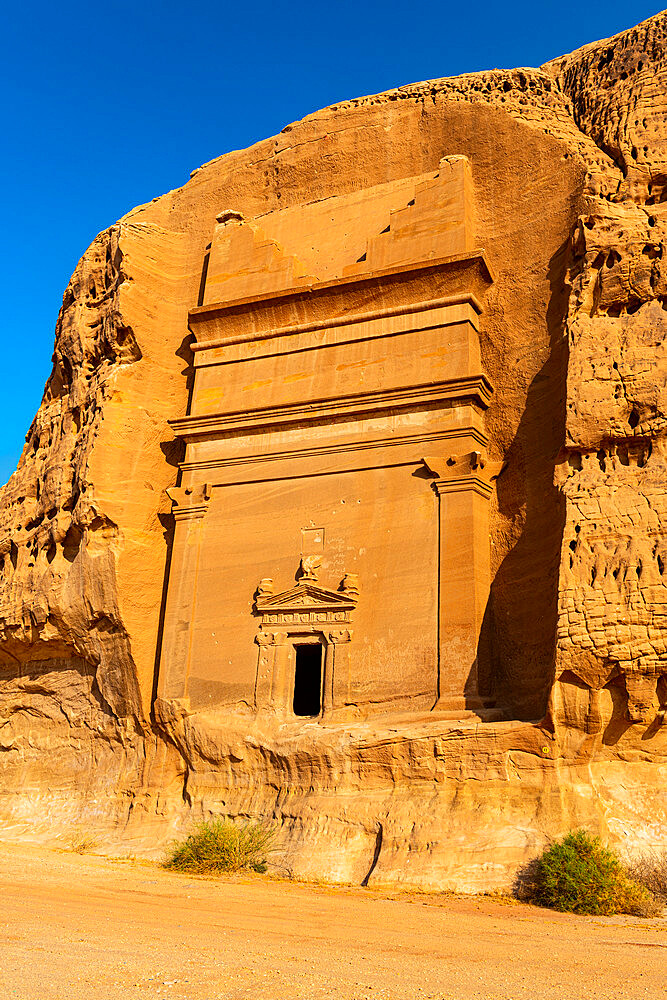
(107, 105)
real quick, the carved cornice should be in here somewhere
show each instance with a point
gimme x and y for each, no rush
(305, 597)
(344, 448)
(475, 390)
(343, 300)
(340, 322)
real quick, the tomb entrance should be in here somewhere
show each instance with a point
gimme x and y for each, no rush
(307, 698)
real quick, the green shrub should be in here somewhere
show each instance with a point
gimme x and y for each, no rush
(217, 845)
(579, 875)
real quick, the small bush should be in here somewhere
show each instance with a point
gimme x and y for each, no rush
(217, 845)
(579, 875)
(650, 870)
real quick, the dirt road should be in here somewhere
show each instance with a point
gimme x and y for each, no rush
(86, 928)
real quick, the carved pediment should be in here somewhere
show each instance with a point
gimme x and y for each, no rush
(305, 597)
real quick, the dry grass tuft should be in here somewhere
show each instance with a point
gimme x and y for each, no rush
(83, 843)
(650, 870)
(219, 845)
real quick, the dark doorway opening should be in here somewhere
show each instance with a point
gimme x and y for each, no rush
(308, 679)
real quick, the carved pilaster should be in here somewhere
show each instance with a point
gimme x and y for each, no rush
(265, 664)
(463, 485)
(189, 507)
(340, 635)
(277, 653)
(337, 676)
(456, 473)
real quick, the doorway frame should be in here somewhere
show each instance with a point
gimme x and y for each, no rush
(307, 613)
(307, 639)
(276, 664)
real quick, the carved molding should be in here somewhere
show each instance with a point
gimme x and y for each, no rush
(347, 448)
(476, 390)
(331, 636)
(216, 324)
(189, 501)
(271, 638)
(306, 607)
(342, 635)
(470, 471)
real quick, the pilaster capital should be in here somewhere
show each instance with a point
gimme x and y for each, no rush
(189, 502)
(339, 635)
(271, 638)
(468, 471)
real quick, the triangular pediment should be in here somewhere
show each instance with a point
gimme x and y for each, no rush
(306, 597)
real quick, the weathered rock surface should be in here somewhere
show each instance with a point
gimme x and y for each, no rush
(570, 184)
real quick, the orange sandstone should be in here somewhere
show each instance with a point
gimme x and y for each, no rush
(345, 504)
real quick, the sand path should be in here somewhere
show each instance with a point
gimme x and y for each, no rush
(87, 928)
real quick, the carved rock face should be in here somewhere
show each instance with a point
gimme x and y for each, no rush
(569, 170)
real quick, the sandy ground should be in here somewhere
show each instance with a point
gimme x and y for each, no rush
(88, 927)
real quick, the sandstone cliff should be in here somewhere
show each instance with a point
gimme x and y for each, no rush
(570, 180)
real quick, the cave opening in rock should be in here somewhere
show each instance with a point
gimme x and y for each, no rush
(308, 679)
